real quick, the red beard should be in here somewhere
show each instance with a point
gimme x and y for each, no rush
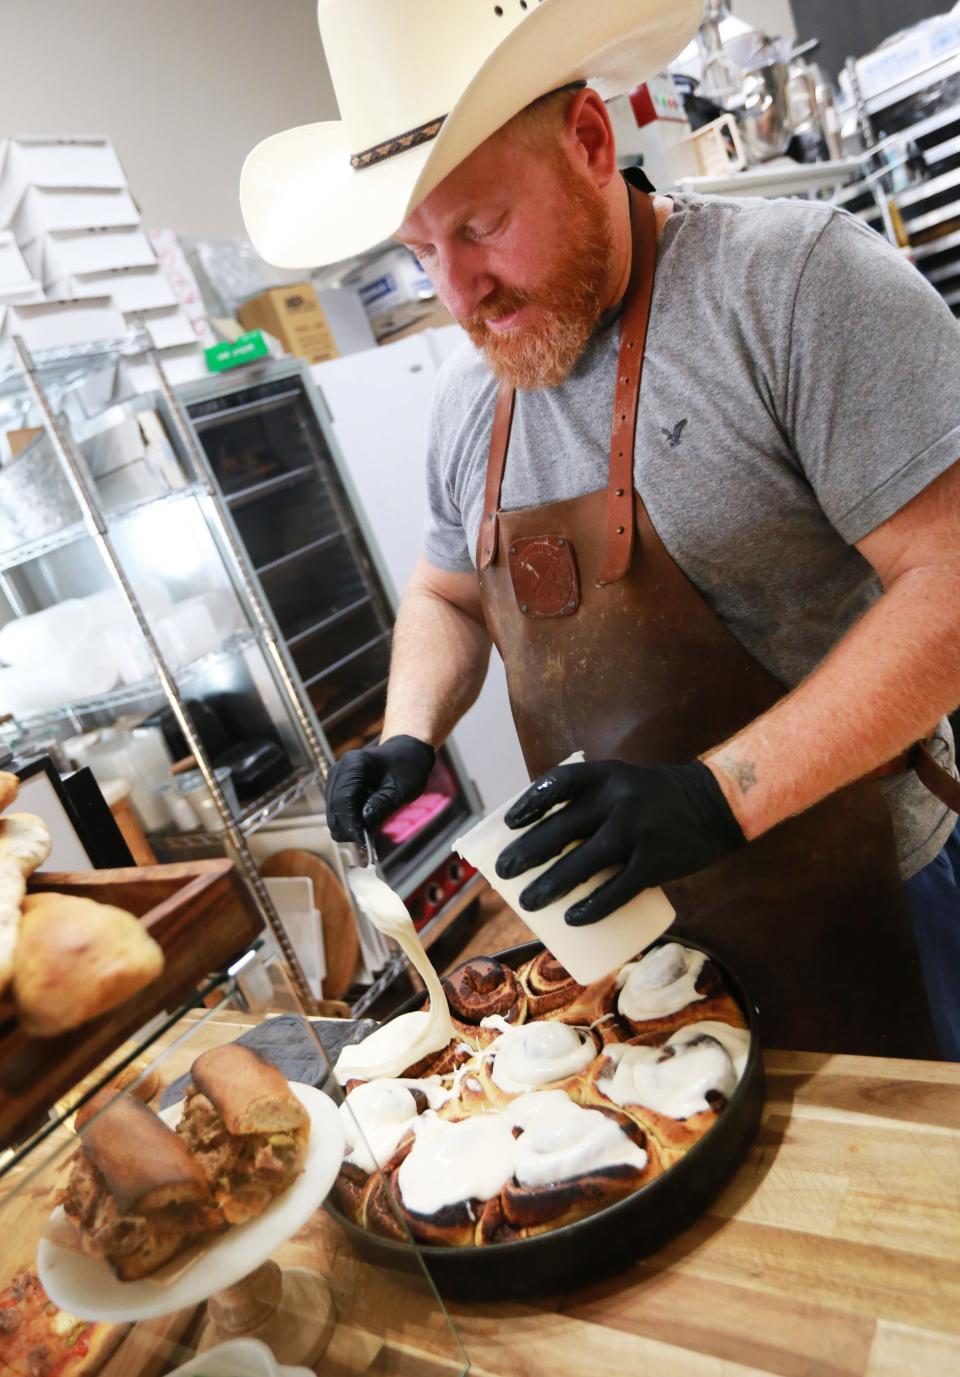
(569, 302)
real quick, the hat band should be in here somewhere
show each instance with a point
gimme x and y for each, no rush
(391, 147)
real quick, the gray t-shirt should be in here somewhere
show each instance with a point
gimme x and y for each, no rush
(801, 384)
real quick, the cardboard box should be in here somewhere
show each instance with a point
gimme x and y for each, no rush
(27, 291)
(44, 208)
(294, 316)
(14, 273)
(54, 162)
(61, 253)
(433, 316)
(167, 327)
(55, 324)
(392, 288)
(132, 289)
(183, 364)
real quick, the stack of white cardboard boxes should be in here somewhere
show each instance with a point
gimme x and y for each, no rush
(75, 261)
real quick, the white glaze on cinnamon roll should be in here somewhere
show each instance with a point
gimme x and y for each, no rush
(662, 982)
(376, 1115)
(538, 1054)
(561, 1140)
(453, 1162)
(678, 1079)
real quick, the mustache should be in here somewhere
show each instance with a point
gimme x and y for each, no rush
(504, 303)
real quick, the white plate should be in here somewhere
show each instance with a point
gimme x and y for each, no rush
(238, 1358)
(86, 1286)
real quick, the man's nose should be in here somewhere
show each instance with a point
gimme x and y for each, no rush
(462, 283)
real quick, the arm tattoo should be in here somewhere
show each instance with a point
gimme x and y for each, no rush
(742, 772)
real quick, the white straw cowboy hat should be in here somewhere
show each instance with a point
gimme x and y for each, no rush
(420, 85)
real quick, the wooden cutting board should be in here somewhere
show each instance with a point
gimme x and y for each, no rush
(341, 946)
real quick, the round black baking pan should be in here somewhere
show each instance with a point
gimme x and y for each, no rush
(614, 1237)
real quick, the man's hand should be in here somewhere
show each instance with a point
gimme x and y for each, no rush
(657, 824)
(366, 786)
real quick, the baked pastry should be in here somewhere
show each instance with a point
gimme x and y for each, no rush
(76, 959)
(675, 1091)
(555, 1117)
(245, 1128)
(484, 997)
(535, 1056)
(134, 1192)
(9, 788)
(548, 985)
(669, 986)
(24, 845)
(378, 1117)
(541, 1163)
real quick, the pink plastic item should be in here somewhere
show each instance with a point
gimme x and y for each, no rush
(413, 817)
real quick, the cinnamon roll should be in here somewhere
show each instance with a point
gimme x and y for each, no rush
(548, 985)
(670, 986)
(536, 1056)
(674, 1091)
(450, 1171)
(541, 1163)
(570, 1161)
(377, 1117)
(484, 997)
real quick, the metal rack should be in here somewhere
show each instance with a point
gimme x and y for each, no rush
(97, 525)
(929, 205)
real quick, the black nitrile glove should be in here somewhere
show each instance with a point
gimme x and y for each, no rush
(366, 786)
(658, 824)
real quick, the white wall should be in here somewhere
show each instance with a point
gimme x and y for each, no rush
(184, 88)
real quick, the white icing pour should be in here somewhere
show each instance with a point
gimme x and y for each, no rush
(405, 1040)
(474, 1159)
(538, 1053)
(453, 1162)
(675, 1086)
(662, 982)
(562, 1140)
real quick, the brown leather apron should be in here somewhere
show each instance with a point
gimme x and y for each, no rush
(609, 648)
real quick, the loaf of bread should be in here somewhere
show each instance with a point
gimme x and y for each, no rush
(9, 788)
(24, 844)
(76, 959)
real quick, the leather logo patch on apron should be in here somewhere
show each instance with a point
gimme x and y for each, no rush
(545, 577)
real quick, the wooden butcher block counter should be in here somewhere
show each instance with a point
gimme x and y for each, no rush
(834, 1252)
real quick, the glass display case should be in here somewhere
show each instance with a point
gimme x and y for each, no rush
(133, 636)
(285, 1293)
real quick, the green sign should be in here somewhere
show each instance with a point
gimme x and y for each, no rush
(246, 349)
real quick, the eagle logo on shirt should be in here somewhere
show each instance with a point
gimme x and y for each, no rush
(676, 434)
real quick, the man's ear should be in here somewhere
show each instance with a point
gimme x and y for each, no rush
(589, 139)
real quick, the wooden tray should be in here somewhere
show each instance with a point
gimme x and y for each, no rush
(202, 915)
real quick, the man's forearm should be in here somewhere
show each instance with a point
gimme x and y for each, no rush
(439, 662)
(885, 684)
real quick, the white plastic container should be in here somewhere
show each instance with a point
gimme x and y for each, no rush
(588, 953)
(43, 635)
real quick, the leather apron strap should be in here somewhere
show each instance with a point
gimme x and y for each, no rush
(633, 336)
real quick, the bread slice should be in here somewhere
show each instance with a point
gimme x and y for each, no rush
(249, 1094)
(143, 1163)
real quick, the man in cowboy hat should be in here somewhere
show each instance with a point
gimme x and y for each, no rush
(737, 586)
